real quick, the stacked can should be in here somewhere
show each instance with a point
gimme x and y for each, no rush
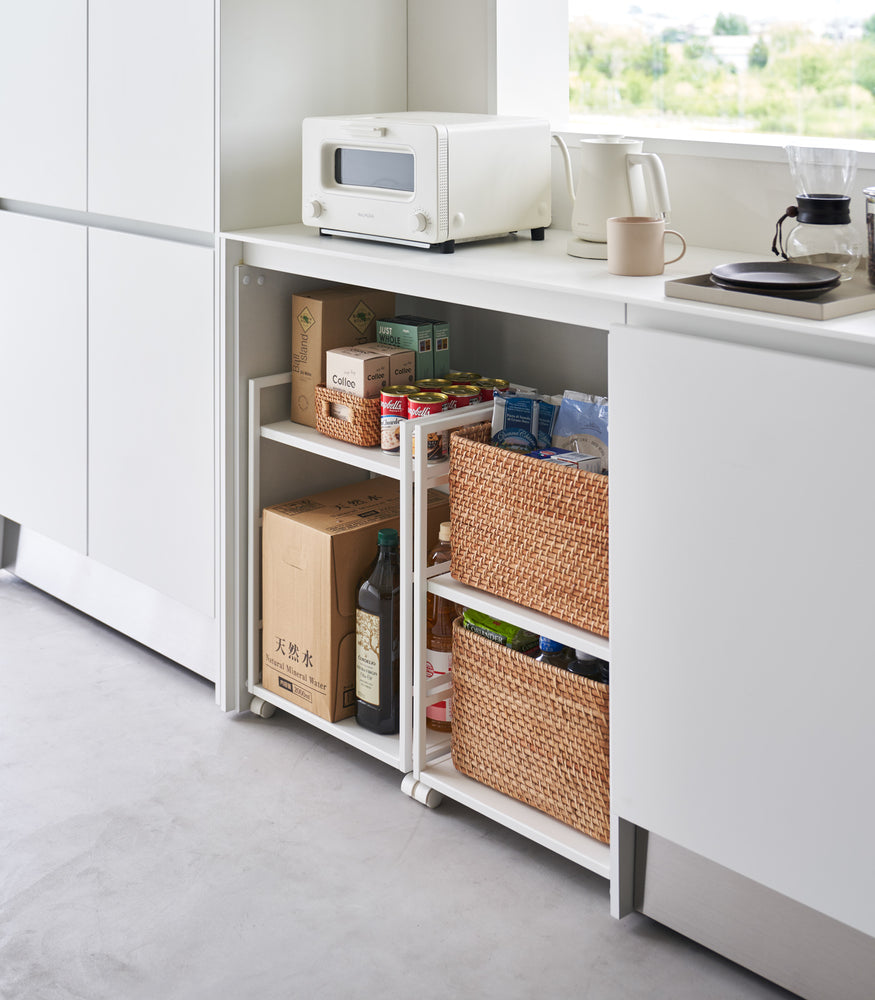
(490, 386)
(393, 409)
(424, 404)
(463, 378)
(462, 395)
(433, 384)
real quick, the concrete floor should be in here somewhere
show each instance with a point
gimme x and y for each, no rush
(153, 848)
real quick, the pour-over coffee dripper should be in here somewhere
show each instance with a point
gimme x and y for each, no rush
(823, 234)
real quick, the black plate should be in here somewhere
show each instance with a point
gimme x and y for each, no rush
(776, 292)
(775, 275)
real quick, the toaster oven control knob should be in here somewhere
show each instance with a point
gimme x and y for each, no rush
(419, 222)
(314, 209)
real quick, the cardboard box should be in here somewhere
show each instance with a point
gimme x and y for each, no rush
(440, 348)
(414, 334)
(402, 362)
(321, 320)
(314, 553)
(356, 370)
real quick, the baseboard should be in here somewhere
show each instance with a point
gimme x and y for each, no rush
(792, 945)
(180, 633)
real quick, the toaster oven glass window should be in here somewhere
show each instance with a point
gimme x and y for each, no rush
(374, 168)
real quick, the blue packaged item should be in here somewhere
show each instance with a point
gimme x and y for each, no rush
(515, 422)
(582, 425)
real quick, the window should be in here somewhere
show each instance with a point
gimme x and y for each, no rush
(754, 68)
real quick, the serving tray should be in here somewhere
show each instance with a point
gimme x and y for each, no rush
(853, 296)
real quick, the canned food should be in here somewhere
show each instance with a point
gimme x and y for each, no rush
(393, 409)
(462, 395)
(432, 384)
(490, 386)
(423, 404)
(463, 378)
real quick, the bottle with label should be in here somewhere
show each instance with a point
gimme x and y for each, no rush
(553, 652)
(439, 636)
(377, 639)
(587, 665)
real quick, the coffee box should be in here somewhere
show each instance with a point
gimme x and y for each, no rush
(402, 362)
(356, 370)
(322, 319)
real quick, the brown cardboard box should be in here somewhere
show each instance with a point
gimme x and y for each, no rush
(322, 319)
(357, 370)
(402, 362)
(314, 554)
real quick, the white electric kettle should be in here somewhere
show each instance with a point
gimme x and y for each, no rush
(616, 179)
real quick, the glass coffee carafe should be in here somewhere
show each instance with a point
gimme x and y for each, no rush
(824, 233)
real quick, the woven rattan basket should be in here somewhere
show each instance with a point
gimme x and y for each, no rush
(530, 531)
(348, 418)
(533, 731)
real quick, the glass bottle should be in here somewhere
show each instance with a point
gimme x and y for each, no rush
(377, 644)
(587, 665)
(553, 652)
(439, 636)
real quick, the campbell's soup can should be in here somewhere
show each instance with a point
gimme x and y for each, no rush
(490, 386)
(432, 384)
(423, 404)
(462, 395)
(393, 409)
(464, 378)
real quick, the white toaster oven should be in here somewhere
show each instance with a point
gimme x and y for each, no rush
(426, 179)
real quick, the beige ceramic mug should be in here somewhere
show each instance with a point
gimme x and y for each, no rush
(636, 245)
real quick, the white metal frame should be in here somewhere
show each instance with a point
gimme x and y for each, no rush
(396, 750)
(433, 772)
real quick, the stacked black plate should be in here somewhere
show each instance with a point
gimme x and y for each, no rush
(776, 277)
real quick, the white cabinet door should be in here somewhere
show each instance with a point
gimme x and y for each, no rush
(742, 624)
(152, 490)
(43, 67)
(152, 111)
(43, 350)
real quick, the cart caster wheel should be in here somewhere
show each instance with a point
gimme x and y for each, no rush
(428, 797)
(421, 793)
(262, 708)
(408, 785)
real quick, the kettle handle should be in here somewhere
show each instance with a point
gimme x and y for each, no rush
(654, 180)
(566, 160)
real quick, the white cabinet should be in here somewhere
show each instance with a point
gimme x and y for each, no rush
(151, 112)
(110, 107)
(110, 440)
(742, 547)
(44, 107)
(152, 424)
(43, 341)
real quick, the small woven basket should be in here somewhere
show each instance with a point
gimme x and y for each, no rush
(530, 531)
(348, 418)
(533, 731)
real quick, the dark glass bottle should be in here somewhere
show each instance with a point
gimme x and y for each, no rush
(587, 665)
(377, 644)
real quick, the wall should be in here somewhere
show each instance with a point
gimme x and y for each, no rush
(282, 61)
(481, 56)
